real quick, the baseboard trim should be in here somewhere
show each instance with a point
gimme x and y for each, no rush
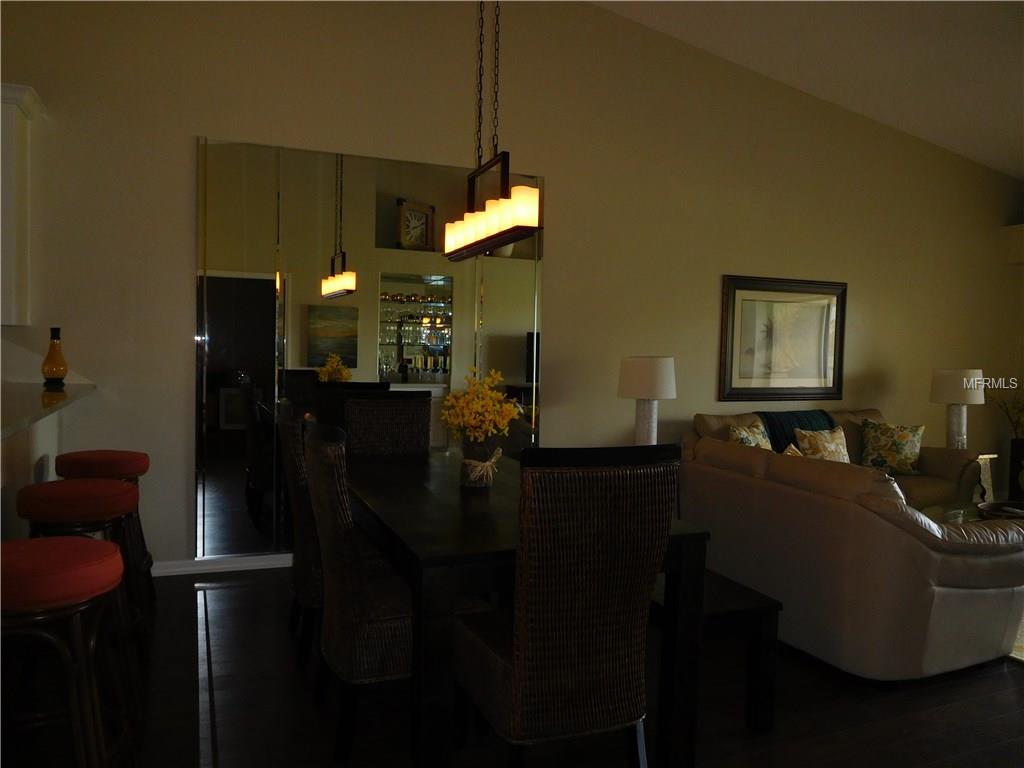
(221, 564)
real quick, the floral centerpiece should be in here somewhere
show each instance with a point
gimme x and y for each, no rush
(333, 369)
(477, 414)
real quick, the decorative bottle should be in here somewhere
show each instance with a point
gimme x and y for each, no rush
(54, 366)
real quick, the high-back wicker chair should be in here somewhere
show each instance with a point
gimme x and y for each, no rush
(593, 529)
(307, 579)
(393, 423)
(328, 397)
(367, 617)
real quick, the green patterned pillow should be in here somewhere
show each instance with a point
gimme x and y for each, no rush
(828, 444)
(893, 448)
(754, 436)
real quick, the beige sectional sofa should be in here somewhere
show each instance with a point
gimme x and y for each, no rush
(946, 474)
(867, 582)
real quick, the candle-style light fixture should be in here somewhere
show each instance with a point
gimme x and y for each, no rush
(340, 282)
(515, 213)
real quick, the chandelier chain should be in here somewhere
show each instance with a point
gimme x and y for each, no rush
(480, 89)
(339, 173)
(497, 38)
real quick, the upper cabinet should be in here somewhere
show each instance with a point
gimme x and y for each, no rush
(20, 106)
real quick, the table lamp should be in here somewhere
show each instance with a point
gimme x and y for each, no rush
(957, 388)
(647, 380)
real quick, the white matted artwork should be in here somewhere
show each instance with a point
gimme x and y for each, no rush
(781, 339)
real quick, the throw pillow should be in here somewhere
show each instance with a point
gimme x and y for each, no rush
(754, 436)
(792, 450)
(828, 444)
(893, 448)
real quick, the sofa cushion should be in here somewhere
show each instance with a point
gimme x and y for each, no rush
(792, 450)
(925, 491)
(827, 444)
(780, 425)
(733, 456)
(712, 425)
(830, 478)
(753, 436)
(850, 421)
(891, 447)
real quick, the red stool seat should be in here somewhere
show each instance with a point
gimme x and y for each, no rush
(77, 501)
(45, 574)
(117, 464)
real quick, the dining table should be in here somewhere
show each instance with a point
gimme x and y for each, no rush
(448, 541)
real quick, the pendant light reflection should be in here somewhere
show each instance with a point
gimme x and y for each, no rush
(340, 282)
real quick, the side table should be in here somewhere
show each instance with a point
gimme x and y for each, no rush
(756, 617)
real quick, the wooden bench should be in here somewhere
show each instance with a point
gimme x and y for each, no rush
(730, 604)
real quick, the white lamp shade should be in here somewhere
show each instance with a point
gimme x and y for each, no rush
(648, 378)
(954, 386)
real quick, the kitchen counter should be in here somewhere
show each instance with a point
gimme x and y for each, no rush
(25, 404)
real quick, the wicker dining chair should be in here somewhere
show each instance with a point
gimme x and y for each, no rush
(393, 423)
(569, 661)
(366, 636)
(307, 579)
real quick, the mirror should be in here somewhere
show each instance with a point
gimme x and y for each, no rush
(269, 219)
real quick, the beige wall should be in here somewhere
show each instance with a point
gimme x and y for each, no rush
(664, 168)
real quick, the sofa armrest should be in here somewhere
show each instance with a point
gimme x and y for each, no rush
(954, 464)
(988, 537)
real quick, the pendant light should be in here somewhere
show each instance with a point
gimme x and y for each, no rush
(340, 282)
(515, 213)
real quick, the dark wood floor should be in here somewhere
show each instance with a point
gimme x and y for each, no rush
(226, 691)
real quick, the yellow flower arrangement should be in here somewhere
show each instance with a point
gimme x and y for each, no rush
(333, 369)
(480, 410)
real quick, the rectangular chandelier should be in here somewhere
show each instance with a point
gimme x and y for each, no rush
(514, 215)
(338, 283)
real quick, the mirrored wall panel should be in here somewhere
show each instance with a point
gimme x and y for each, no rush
(270, 221)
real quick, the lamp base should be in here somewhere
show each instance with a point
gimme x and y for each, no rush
(646, 423)
(956, 425)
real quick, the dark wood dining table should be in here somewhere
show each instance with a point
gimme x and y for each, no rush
(448, 541)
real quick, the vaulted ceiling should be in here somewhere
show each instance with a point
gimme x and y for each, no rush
(951, 73)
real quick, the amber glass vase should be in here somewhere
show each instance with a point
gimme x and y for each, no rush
(55, 368)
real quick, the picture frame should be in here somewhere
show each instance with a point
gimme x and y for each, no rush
(331, 329)
(781, 339)
(415, 225)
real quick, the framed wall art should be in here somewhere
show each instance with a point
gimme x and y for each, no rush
(781, 339)
(332, 329)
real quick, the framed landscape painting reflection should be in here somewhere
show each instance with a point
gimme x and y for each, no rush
(781, 339)
(331, 329)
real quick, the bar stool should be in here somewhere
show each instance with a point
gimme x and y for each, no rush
(115, 465)
(55, 594)
(89, 506)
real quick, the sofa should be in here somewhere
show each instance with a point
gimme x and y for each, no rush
(868, 583)
(945, 475)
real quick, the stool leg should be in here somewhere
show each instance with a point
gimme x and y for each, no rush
(88, 701)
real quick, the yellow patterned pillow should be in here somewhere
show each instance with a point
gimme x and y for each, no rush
(828, 444)
(754, 436)
(792, 450)
(893, 448)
